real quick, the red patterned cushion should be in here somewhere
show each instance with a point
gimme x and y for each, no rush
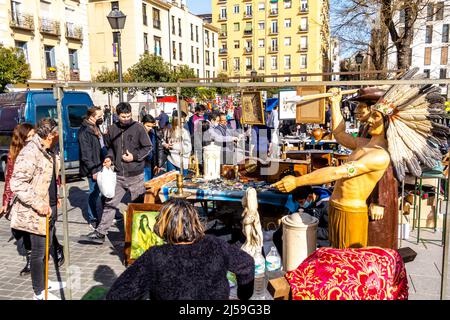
(350, 274)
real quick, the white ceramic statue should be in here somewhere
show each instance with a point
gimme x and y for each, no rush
(251, 225)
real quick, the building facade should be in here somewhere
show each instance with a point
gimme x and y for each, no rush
(335, 59)
(272, 37)
(429, 50)
(163, 28)
(53, 36)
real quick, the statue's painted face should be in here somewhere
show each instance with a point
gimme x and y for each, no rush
(362, 112)
(376, 123)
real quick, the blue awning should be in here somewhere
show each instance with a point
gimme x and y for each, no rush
(271, 103)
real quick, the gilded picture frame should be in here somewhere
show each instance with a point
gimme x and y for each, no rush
(135, 218)
(252, 108)
(311, 111)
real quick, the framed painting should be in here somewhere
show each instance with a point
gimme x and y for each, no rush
(252, 108)
(311, 111)
(287, 110)
(139, 235)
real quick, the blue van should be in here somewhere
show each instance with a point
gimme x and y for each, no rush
(31, 106)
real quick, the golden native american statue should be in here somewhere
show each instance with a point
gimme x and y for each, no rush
(404, 129)
(251, 225)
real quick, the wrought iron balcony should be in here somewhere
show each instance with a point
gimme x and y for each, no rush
(52, 73)
(222, 35)
(302, 48)
(157, 24)
(303, 9)
(248, 33)
(273, 12)
(73, 31)
(273, 49)
(302, 29)
(248, 15)
(248, 50)
(223, 51)
(24, 21)
(74, 75)
(49, 26)
(222, 18)
(273, 31)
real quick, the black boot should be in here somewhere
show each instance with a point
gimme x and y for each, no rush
(60, 255)
(26, 270)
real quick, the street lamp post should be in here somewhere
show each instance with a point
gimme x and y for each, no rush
(253, 75)
(359, 60)
(116, 19)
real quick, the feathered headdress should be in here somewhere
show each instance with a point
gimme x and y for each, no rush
(415, 132)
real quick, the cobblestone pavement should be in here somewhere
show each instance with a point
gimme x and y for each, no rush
(92, 266)
(97, 266)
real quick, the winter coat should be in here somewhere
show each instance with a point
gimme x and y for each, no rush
(30, 182)
(91, 157)
(173, 155)
(133, 138)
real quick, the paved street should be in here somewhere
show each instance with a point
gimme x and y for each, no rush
(96, 267)
(93, 266)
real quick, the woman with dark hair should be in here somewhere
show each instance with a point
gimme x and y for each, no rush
(190, 266)
(22, 134)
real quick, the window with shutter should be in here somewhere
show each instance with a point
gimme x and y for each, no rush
(427, 56)
(444, 55)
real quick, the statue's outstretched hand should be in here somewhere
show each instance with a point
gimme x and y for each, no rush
(287, 184)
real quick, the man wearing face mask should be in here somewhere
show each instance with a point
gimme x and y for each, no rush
(92, 155)
(314, 201)
(226, 137)
(128, 146)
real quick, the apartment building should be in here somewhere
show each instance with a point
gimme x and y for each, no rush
(335, 59)
(164, 28)
(429, 50)
(272, 37)
(53, 36)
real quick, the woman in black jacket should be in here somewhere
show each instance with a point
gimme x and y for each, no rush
(92, 154)
(190, 266)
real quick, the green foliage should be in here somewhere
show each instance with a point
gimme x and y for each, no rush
(183, 72)
(222, 77)
(150, 68)
(110, 76)
(13, 67)
(206, 94)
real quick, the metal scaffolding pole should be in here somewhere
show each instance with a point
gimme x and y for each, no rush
(58, 95)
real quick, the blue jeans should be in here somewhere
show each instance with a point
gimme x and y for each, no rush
(171, 166)
(94, 195)
(148, 175)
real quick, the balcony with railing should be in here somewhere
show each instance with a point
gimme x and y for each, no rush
(303, 10)
(222, 34)
(222, 18)
(302, 29)
(51, 73)
(248, 33)
(249, 68)
(223, 51)
(248, 50)
(273, 12)
(73, 31)
(74, 75)
(273, 31)
(248, 15)
(49, 27)
(157, 24)
(23, 21)
(261, 68)
(273, 49)
(302, 48)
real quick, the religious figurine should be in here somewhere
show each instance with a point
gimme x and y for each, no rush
(403, 130)
(251, 225)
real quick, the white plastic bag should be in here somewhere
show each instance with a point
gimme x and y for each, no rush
(106, 180)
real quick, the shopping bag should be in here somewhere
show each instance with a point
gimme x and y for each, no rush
(106, 180)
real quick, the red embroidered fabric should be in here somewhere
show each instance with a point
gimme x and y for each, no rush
(350, 274)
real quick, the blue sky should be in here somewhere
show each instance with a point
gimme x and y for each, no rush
(199, 6)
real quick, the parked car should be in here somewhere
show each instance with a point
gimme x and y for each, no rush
(31, 106)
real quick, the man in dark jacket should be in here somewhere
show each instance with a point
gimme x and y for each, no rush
(128, 147)
(163, 120)
(92, 154)
(313, 201)
(154, 159)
